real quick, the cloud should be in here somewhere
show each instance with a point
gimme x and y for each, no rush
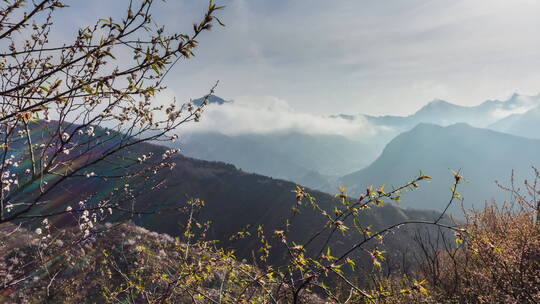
(502, 113)
(518, 104)
(357, 56)
(373, 56)
(269, 114)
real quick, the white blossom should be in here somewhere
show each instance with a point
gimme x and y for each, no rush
(90, 131)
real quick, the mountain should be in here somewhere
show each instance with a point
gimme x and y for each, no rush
(482, 155)
(212, 99)
(526, 124)
(444, 113)
(318, 161)
(311, 160)
(233, 200)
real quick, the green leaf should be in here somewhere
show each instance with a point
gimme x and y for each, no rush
(350, 262)
(154, 67)
(109, 54)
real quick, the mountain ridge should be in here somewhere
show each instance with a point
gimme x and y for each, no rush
(481, 154)
(523, 124)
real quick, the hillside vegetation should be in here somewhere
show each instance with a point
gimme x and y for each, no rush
(492, 258)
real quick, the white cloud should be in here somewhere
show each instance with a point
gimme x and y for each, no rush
(356, 56)
(502, 113)
(520, 105)
(370, 56)
(273, 115)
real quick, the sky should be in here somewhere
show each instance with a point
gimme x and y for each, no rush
(352, 56)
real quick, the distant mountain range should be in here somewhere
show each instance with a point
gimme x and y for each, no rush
(318, 161)
(483, 156)
(440, 112)
(311, 160)
(444, 113)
